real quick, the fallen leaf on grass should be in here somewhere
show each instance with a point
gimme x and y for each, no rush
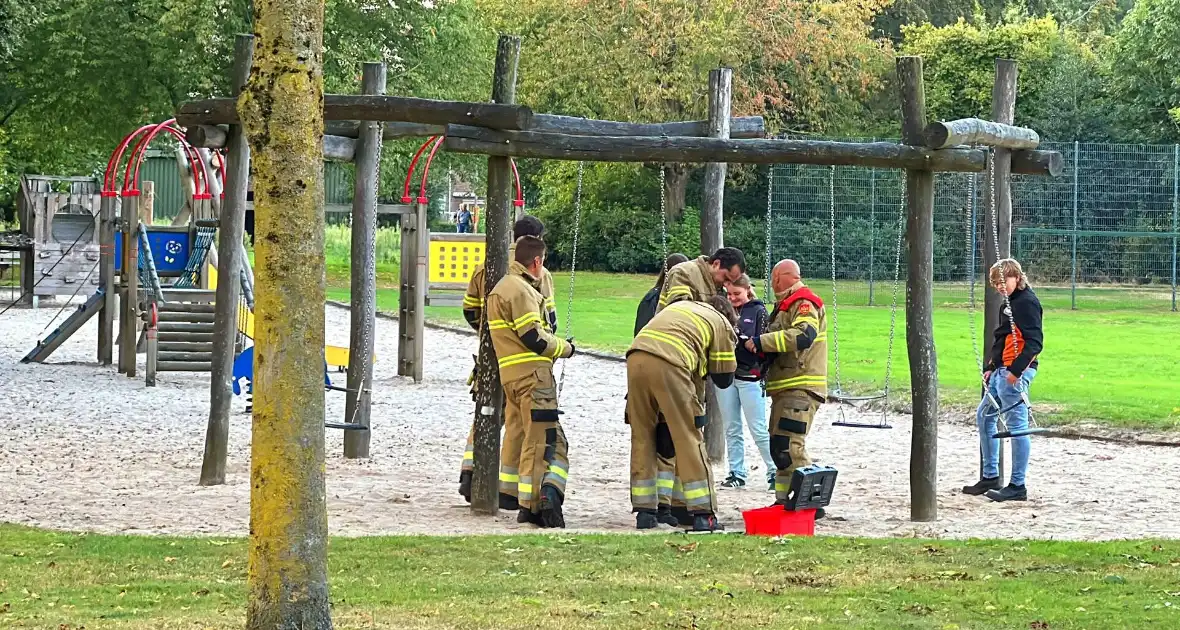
(227, 564)
(169, 559)
(689, 548)
(5, 607)
(1038, 625)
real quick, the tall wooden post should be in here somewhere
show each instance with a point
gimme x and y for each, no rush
(712, 232)
(364, 271)
(128, 322)
(282, 112)
(106, 278)
(920, 300)
(490, 402)
(998, 213)
(229, 263)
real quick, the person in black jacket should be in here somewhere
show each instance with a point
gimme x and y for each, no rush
(1008, 372)
(647, 306)
(747, 396)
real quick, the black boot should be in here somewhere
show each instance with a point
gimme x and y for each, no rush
(664, 515)
(526, 516)
(646, 520)
(682, 515)
(706, 523)
(982, 486)
(1009, 493)
(465, 485)
(551, 507)
(820, 513)
(508, 502)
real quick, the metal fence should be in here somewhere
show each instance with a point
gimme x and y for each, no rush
(1112, 220)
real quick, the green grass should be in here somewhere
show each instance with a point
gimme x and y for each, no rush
(1107, 362)
(56, 580)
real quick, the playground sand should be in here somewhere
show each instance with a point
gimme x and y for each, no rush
(84, 448)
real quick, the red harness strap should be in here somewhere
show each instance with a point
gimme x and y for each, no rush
(804, 293)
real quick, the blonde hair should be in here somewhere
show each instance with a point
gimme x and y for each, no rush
(1008, 268)
(744, 282)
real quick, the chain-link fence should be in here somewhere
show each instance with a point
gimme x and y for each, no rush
(1111, 221)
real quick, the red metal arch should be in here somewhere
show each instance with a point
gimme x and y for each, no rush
(131, 184)
(437, 142)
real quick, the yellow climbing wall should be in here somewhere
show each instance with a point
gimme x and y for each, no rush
(454, 261)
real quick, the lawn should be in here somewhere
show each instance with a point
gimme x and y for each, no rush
(1115, 361)
(57, 580)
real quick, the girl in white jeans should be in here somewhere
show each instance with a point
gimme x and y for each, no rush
(747, 396)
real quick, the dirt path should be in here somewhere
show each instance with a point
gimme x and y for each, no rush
(84, 448)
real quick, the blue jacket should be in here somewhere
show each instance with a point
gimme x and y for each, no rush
(752, 322)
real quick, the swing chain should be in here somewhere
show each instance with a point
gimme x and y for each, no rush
(769, 220)
(970, 233)
(835, 309)
(663, 221)
(569, 309)
(901, 224)
(991, 157)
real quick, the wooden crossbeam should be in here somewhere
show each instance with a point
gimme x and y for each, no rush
(974, 131)
(223, 111)
(213, 136)
(530, 144)
(739, 127)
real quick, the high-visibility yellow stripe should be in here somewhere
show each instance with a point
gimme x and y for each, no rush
(695, 494)
(689, 356)
(498, 324)
(557, 349)
(722, 356)
(536, 358)
(665, 483)
(675, 291)
(559, 472)
(814, 321)
(521, 355)
(472, 301)
(509, 478)
(797, 381)
(525, 320)
(781, 487)
(701, 324)
(643, 491)
(823, 336)
(525, 488)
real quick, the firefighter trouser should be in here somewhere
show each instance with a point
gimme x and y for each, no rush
(791, 413)
(668, 487)
(655, 386)
(542, 459)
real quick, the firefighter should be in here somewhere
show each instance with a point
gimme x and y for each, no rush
(796, 346)
(701, 278)
(695, 280)
(525, 351)
(473, 304)
(666, 368)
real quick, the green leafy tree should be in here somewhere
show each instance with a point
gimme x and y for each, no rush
(1145, 59)
(807, 66)
(1059, 73)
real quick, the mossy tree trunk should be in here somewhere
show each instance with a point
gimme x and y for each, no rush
(282, 113)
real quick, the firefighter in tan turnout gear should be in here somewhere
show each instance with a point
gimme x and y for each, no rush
(525, 351)
(473, 308)
(695, 280)
(666, 367)
(796, 344)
